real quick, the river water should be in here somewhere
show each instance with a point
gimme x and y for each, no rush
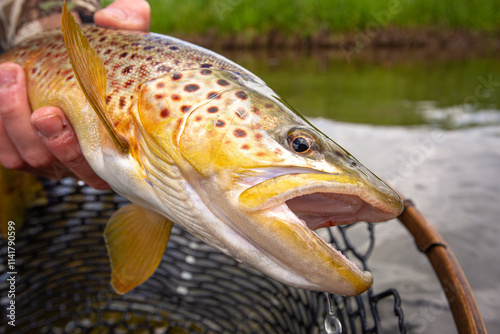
(431, 128)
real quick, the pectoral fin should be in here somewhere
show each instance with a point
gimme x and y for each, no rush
(90, 73)
(136, 239)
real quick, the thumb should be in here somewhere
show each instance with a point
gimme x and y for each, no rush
(125, 14)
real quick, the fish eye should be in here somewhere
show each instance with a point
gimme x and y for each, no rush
(300, 142)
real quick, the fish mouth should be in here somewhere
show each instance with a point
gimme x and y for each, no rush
(323, 200)
(298, 204)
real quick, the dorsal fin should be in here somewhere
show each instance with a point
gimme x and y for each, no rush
(90, 72)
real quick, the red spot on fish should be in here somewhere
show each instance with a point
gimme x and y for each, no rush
(108, 51)
(185, 108)
(175, 97)
(176, 76)
(70, 77)
(222, 82)
(123, 55)
(160, 85)
(241, 95)
(261, 154)
(102, 39)
(239, 133)
(213, 110)
(191, 88)
(278, 150)
(159, 96)
(245, 147)
(198, 118)
(220, 123)
(108, 99)
(258, 136)
(268, 105)
(164, 113)
(33, 70)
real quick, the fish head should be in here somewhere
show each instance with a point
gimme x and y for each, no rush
(269, 175)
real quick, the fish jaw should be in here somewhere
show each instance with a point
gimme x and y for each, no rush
(308, 261)
(283, 213)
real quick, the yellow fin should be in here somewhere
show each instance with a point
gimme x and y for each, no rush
(136, 239)
(90, 72)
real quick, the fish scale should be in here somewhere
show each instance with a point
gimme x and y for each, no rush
(131, 58)
(191, 138)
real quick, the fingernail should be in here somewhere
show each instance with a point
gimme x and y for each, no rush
(115, 13)
(8, 77)
(49, 126)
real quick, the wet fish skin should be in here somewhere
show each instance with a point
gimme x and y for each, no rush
(207, 145)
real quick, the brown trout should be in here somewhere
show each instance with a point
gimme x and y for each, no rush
(192, 138)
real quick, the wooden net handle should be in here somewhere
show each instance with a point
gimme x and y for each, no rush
(455, 285)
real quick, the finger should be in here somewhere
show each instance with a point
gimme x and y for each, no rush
(125, 14)
(15, 115)
(9, 157)
(60, 138)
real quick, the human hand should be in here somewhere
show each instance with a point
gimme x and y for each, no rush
(44, 142)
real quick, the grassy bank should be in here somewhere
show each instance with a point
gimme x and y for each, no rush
(305, 18)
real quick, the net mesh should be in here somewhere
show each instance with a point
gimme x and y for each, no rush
(63, 281)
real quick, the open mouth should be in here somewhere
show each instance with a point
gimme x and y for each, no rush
(288, 208)
(319, 210)
(322, 200)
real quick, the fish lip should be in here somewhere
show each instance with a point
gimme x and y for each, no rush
(351, 202)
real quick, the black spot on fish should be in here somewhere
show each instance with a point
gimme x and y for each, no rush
(205, 72)
(185, 108)
(123, 55)
(149, 47)
(128, 69)
(239, 133)
(213, 110)
(176, 76)
(220, 123)
(205, 65)
(191, 88)
(163, 69)
(241, 95)
(173, 48)
(222, 82)
(213, 95)
(241, 113)
(122, 102)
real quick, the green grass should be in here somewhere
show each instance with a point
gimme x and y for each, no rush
(306, 17)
